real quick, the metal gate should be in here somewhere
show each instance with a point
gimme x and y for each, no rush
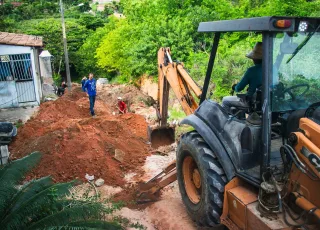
(18, 67)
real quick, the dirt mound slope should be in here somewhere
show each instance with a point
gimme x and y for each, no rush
(129, 93)
(137, 101)
(73, 143)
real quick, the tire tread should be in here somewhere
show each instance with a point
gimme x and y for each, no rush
(216, 178)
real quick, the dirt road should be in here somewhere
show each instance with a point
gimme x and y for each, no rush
(73, 144)
(167, 213)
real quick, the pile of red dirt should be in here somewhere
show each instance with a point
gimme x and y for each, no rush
(130, 95)
(73, 143)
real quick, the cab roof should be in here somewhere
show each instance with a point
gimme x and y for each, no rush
(259, 24)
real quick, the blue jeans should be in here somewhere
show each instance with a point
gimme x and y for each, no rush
(92, 100)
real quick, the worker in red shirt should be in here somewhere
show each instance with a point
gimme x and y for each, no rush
(121, 106)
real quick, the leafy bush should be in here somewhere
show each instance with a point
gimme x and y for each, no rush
(57, 79)
(41, 204)
(131, 47)
(127, 48)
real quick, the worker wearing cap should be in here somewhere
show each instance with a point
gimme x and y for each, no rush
(90, 88)
(121, 106)
(252, 77)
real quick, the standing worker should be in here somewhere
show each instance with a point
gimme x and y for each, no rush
(83, 81)
(121, 106)
(90, 88)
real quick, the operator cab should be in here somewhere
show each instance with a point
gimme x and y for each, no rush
(290, 85)
(227, 166)
(252, 112)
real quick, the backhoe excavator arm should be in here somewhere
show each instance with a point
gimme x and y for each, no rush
(170, 74)
(173, 74)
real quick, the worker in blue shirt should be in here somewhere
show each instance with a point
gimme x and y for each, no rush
(252, 77)
(83, 81)
(90, 88)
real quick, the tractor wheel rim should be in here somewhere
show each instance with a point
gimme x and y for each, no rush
(196, 178)
(192, 179)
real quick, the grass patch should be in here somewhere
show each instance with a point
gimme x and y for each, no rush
(176, 114)
(181, 130)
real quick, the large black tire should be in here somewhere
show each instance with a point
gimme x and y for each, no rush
(206, 209)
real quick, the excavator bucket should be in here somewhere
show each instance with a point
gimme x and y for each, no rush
(161, 135)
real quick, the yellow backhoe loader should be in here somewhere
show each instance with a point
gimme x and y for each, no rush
(243, 174)
(171, 74)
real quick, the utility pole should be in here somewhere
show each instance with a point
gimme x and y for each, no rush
(66, 57)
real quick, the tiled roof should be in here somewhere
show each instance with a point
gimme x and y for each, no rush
(20, 39)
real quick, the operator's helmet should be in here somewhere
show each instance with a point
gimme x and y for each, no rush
(119, 98)
(256, 53)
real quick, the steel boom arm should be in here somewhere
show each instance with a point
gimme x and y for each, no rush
(173, 74)
(170, 74)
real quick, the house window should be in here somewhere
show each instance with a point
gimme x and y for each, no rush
(15, 67)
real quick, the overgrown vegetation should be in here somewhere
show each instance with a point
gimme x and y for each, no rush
(41, 204)
(42, 18)
(123, 49)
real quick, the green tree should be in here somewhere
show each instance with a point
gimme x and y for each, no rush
(41, 204)
(86, 55)
(51, 31)
(130, 49)
(91, 22)
(85, 7)
(108, 10)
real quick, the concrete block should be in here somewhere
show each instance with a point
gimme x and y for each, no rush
(119, 155)
(4, 152)
(99, 182)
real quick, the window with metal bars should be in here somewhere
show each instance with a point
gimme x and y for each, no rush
(15, 67)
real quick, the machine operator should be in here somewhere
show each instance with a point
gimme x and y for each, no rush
(252, 77)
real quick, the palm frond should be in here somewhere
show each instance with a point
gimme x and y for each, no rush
(19, 167)
(10, 175)
(40, 204)
(71, 214)
(30, 189)
(37, 206)
(88, 225)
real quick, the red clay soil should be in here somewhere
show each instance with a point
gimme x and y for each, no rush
(73, 143)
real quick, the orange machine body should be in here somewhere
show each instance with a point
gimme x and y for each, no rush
(240, 210)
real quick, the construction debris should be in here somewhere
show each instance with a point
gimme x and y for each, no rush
(119, 155)
(99, 182)
(102, 81)
(4, 154)
(164, 150)
(89, 177)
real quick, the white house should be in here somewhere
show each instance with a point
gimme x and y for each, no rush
(20, 82)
